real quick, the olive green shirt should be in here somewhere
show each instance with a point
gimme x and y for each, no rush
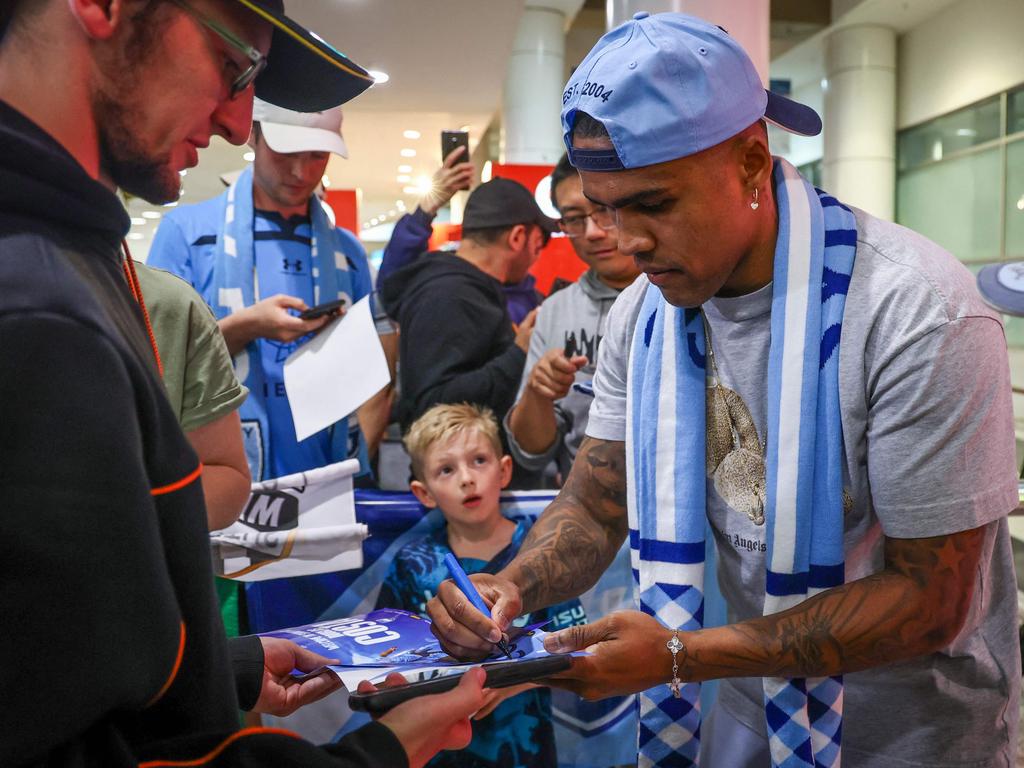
(198, 375)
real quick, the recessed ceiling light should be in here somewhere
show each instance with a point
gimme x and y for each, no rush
(378, 76)
(400, 205)
(249, 156)
(151, 214)
(403, 178)
(411, 134)
(136, 236)
(138, 221)
(392, 212)
(373, 222)
(405, 169)
(407, 152)
(411, 190)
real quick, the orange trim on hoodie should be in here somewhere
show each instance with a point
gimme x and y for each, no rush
(215, 752)
(178, 484)
(174, 669)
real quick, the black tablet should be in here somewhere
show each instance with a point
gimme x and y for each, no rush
(501, 674)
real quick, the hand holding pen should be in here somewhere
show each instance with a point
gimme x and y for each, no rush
(463, 583)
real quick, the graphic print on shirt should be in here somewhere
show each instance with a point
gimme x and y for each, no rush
(585, 344)
(734, 456)
(735, 461)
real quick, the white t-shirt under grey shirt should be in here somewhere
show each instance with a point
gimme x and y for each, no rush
(929, 448)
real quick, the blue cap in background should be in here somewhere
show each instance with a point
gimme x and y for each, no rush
(667, 86)
(1002, 287)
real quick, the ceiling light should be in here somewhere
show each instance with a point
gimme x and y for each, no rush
(411, 134)
(172, 204)
(138, 221)
(485, 173)
(151, 214)
(411, 190)
(424, 183)
(405, 169)
(407, 152)
(373, 222)
(391, 212)
(400, 205)
(379, 77)
(136, 236)
(403, 178)
(1020, 203)
(249, 156)
(183, 172)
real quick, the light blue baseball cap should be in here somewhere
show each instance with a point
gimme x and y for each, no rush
(667, 86)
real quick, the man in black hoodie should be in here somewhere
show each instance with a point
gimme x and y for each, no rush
(457, 343)
(113, 651)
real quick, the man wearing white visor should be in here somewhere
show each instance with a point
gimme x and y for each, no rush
(260, 254)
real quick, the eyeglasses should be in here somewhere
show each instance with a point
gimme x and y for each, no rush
(576, 226)
(257, 61)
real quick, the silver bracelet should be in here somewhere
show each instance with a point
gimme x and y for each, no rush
(675, 645)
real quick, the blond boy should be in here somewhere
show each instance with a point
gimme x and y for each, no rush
(458, 466)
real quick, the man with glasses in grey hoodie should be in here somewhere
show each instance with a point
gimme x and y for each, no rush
(549, 419)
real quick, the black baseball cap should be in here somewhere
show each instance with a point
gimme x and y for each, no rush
(504, 203)
(304, 73)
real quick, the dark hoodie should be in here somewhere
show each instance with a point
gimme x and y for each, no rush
(457, 343)
(112, 646)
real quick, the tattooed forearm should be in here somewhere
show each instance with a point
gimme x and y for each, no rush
(916, 605)
(577, 537)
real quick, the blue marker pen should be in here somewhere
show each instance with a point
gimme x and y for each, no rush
(462, 582)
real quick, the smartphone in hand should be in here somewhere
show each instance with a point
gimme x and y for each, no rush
(327, 308)
(452, 139)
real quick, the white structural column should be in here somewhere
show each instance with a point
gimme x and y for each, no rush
(859, 164)
(531, 132)
(748, 21)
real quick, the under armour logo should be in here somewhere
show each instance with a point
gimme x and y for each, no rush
(296, 266)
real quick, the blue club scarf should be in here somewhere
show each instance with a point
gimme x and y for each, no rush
(237, 286)
(665, 445)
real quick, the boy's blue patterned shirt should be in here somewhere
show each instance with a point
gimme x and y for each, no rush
(519, 733)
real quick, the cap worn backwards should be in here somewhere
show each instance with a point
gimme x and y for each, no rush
(667, 86)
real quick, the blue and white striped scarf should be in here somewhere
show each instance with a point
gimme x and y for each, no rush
(665, 444)
(236, 285)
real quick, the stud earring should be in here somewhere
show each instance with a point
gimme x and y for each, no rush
(753, 203)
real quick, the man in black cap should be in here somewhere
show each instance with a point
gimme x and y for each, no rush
(458, 344)
(112, 640)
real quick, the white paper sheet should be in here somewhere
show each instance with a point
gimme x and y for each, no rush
(334, 373)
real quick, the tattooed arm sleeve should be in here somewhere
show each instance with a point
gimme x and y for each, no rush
(914, 606)
(576, 538)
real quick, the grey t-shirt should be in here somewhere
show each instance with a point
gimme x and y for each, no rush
(929, 448)
(572, 319)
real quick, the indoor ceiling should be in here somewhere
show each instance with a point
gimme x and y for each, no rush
(446, 63)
